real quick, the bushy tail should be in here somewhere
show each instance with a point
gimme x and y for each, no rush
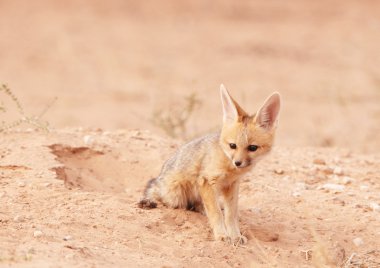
(149, 200)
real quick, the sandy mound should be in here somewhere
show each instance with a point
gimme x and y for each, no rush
(68, 198)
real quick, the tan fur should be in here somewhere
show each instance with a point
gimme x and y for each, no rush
(203, 173)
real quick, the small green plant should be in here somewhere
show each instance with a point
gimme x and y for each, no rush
(174, 119)
(34, 121)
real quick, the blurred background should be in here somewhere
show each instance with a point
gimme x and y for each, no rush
(157, 65)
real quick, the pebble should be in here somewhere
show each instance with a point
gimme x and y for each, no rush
(301, 186)
(319, 161)
(37, 233)
(364, 187)
(332, 187)
(338, 171)
(68, 237)
(316, 179)
(88, 139)
(2, 194)
(374, 206)
(21, 184)
(279, 171)
(347, 180)
(256, 210)
(328, 170)
(286, 178)
(19, 218)
(339, 201)
(295, 169)
(358, 241)
(296, 194)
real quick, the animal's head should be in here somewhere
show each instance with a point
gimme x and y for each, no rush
(246, 138)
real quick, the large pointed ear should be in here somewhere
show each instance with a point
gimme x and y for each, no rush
(230, 112)
(266, 117)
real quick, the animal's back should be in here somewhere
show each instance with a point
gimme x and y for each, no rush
(190, 157)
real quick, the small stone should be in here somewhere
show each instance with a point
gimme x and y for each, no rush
(21, 184)
(2, 194)
(328, 170)
(296, 194)
(279, 171)
(37, 233)
(295, 169)
(286, 178)
(301, 186)
(374, 206)
(67, 238)
(88, 139)
(338, 171)
(358, 241)
(364, 187)
(46, 184)
(319, 161)
(336, 188)
(19, 218)
(256, 210)
(316, 179)
(347, 180)
(339, 201)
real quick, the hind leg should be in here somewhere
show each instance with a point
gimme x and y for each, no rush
(177, 192)
(172, 190)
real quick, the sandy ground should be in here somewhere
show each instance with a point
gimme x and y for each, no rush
(69, 199)
(68, 196)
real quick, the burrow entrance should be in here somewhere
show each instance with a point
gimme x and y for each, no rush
(89, 170)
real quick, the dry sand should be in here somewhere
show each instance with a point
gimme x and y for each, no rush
(68, 196)
(82, 186)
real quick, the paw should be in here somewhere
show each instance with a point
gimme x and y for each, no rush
(223, 237)
(239, 240)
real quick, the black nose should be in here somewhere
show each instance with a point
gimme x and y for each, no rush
(237, 163)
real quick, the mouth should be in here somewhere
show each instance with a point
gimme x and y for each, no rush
(242, 166)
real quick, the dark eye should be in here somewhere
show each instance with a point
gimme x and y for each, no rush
(232, 145)
(253, 148)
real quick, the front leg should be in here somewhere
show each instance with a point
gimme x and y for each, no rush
(230, 196)
(213, 211)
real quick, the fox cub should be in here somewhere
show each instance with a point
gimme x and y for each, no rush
(204, 174)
